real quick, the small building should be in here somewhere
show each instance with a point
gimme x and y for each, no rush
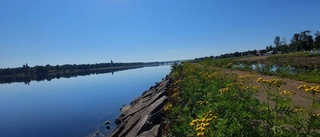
(261, 52)
(269, 53)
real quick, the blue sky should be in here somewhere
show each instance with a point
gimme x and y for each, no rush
(40, 32)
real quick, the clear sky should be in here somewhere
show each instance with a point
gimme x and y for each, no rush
(40, 32)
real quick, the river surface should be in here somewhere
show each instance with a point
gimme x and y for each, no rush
(73, 107)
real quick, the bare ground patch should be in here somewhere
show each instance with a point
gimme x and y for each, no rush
(253, 58)
(297, 99)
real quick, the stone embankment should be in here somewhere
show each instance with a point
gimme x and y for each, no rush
(143, 116)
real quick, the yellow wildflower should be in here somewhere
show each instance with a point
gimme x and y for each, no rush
(229, 85)
(259, 79)
(203, 120)
(191, 124)
(310, 88)
(229, 65)
(175, 94)
(223, 90)
(198, 129)
(273, 82)
(178, 81)
(287, 92)
(299, 110)
(202, 123)
(244, 77)
(315, 115)
(200, 134)
(256, 87)
(167, 107)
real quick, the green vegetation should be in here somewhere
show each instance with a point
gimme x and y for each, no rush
(302, 41)
(300, 66)
(294, 59)
(206, 101)
(63, 68)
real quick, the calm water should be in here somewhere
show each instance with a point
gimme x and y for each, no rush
(72, 107)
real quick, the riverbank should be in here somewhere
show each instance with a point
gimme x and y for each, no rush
(204, 99)
(142, 118)
(208, 101)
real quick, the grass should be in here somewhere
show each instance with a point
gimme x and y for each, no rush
(290, 55)
(205, 101)
(306, 74)
(287, 66)
(294, 59)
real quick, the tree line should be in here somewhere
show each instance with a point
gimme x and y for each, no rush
(27, 74)
(25, 69)
(49, 76)
(302, 41)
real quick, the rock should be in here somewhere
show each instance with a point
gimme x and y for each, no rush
(144, 124)
(118, 121)
(125, 109)
(154, 132)
(151, 88)
(118, 130)
(107, 122)
(143, 116)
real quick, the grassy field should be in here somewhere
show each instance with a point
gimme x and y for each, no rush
(294, 59)
(300, 66)
(207, 101)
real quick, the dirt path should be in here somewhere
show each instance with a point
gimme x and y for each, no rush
(298, 100)
(253, 58)
(293, 60)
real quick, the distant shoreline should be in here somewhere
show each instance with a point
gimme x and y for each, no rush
(32, 74)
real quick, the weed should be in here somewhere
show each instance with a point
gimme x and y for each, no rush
(205, 101)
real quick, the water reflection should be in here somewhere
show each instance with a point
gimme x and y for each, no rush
(71, 107)
(49, 76)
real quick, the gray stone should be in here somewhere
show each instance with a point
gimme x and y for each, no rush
(142, 117)
(154, 132)
(107, 122)
(125, 109)
(144, 124)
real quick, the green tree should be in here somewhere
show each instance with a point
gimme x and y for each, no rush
(277, 44)
(309, 42)
(295, 43)
(270, 48)
(305, 40)
(316, 43)
(277, 41)
(283, 49)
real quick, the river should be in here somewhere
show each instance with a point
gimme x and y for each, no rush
(71, 107)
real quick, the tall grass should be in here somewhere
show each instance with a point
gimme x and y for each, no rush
(306, 74)
(205, 101)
